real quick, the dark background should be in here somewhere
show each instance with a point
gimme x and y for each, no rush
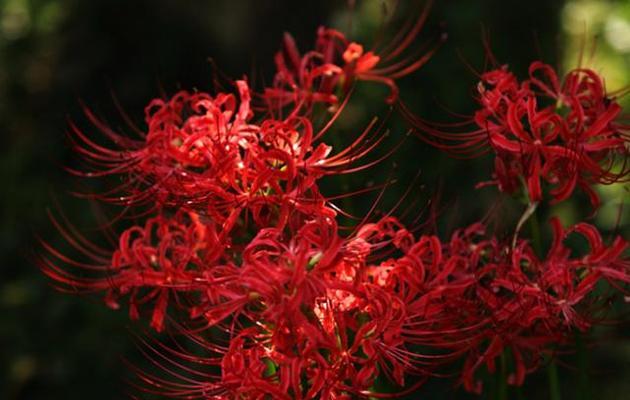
(54, 54)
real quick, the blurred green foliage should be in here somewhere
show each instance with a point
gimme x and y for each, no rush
(55, 53)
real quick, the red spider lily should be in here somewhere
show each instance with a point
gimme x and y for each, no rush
(474, 297)
(315, 318)
(206, 154)
(593, 131)
(307, 319)
(285, 296)
(530, 305)
(242, 255)
(154, 263)
(326, 73)
(317, 298)
(576, 141)
(311, 315)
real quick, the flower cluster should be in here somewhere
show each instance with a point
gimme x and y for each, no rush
(235, 249)
(240, 244)
(328, 72)
(524, 303)
(567, 134)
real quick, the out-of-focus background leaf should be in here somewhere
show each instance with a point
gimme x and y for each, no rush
(54, 54)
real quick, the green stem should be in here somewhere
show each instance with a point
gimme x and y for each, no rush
(584, 389)
(503, 384)
(554, 382)
(529, 212)
(494, 379)
(535, 228)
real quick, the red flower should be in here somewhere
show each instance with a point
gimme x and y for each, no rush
(241, 254)
(475, 296)
(154, 263)
(593, 130)
(579, 140)
(329, 71)
(207, 154)
(532, 304)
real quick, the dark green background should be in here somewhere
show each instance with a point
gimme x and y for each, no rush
(55, 53)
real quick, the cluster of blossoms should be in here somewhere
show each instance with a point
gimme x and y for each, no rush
(240, 254)
(329, 71)
(567, 134)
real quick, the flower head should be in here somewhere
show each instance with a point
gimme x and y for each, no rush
(328, 72)
(568, 134)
